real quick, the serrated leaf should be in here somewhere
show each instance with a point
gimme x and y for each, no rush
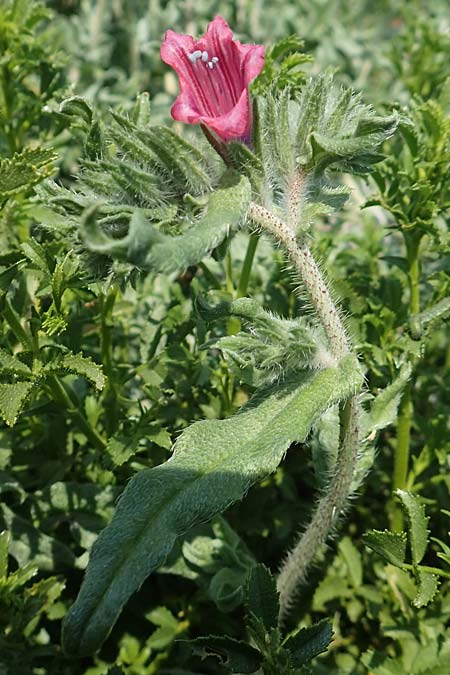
(305, 644)
(12, 399)
(78, 364)
(262, 597)
(427, 587)
(12, 365)
(213, 465)
(237, 656)
(22, 171)
(417, 524)
(389, 545)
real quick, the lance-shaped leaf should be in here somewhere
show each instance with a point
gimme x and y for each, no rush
(150, 249)
(213, 465)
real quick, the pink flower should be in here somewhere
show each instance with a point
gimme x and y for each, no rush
(214, 72)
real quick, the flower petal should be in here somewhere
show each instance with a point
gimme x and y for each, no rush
(174, 44)
(235, 124)
(251, 60)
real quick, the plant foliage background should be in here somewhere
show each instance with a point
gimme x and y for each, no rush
(107, 356)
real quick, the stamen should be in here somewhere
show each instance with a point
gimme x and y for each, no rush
(205, 56)
(211, 64)
(215, 59)
(193, 56)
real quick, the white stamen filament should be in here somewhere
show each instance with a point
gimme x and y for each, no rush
(205, 56)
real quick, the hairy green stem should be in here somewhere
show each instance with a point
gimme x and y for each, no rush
(334, 498)
(406, 408)
(313, 281)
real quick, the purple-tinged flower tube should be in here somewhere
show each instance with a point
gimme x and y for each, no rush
(214, 73)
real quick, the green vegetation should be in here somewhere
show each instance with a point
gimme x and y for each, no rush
(225, 368)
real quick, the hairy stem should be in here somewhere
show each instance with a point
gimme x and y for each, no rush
(304, 263)
(328, 510)
(333, 500)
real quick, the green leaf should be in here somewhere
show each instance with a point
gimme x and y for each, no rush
(427, 587)
(235, 655)
(226, 588)
(78, 364)
(380, 664)
(78, 110)
(306, 643)
(150, 249)
(389, 545)
(24, 170)
(141, 113)
(167, 630)
(262, 597)
(417, 524)
(4, 548)
(353, 561)
(12, 399)
(271, 349)
(12, 365)
(384, 408)
(213, 465)
(418, 323)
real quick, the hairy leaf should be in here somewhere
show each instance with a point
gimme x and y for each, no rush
(214, 463)
(150, 249)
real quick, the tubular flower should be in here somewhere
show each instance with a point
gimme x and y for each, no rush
(214, 73)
